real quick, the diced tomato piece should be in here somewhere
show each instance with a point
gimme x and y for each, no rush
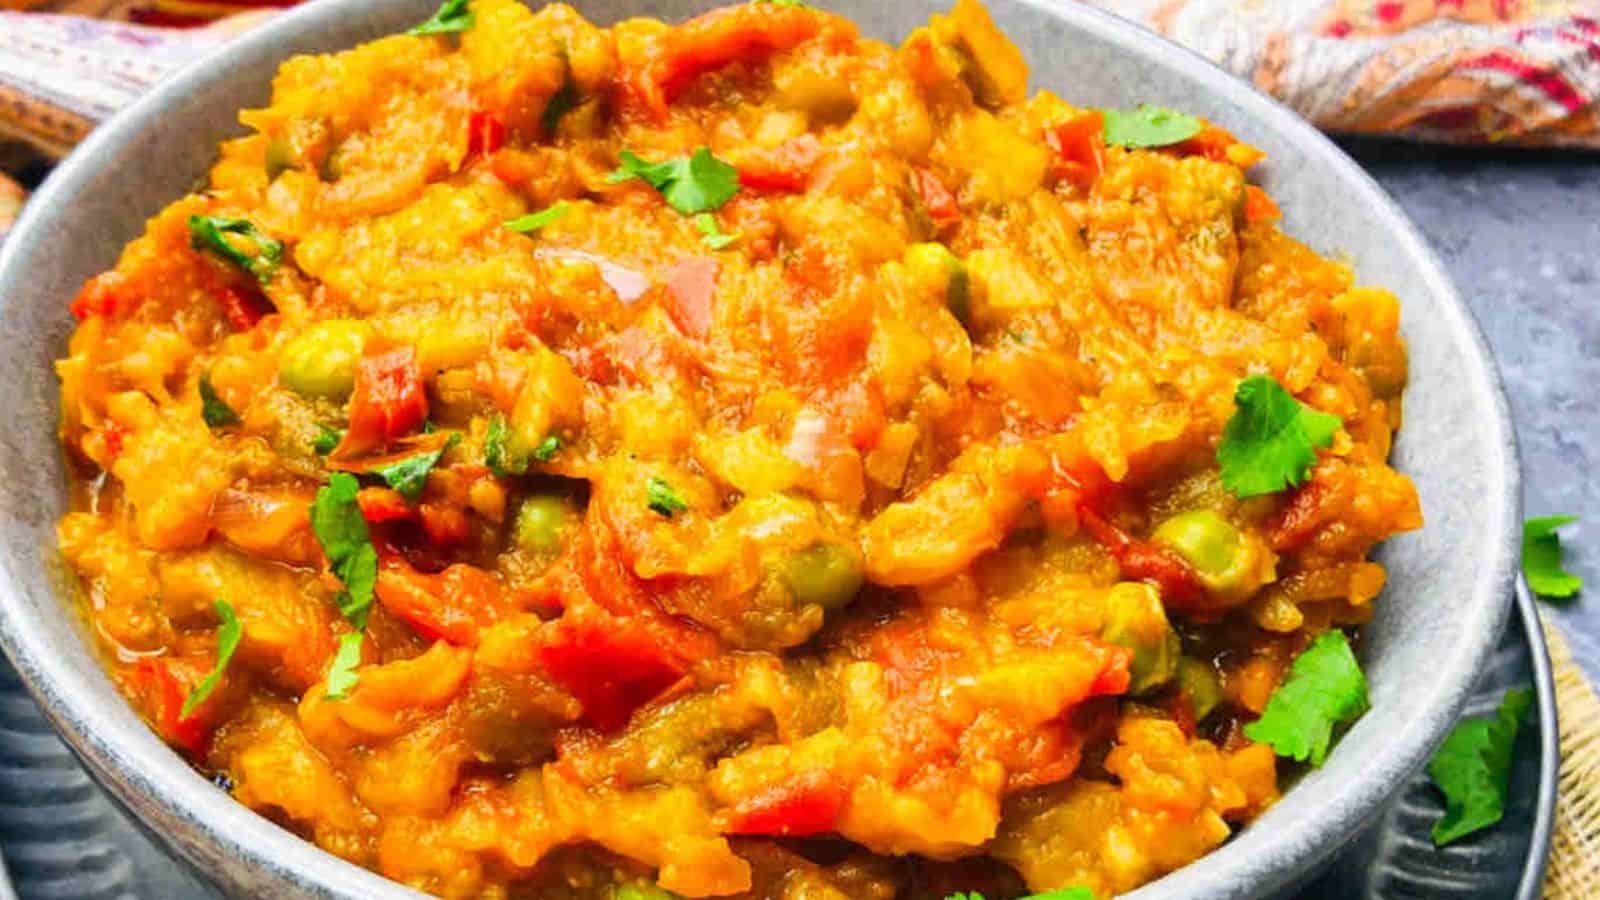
(450, 606)
(485, 133)
(1079, 143)
(1259, 207)
(936, 198)
(102, 295)
(1144, 561)
(163, 695)
(612, 667)
(243, 307)
(380, 504)
(746, 32)
(786, 168)
(691, 285)
(388, 402)
(1219, 145)
(1300, 517)
(807, 804)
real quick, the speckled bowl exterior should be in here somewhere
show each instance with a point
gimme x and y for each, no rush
(1449, 584)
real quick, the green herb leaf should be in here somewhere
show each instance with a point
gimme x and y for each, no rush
(342, 674)
(210, 233)
(547, 449)
(696, 184)
(453, 16)
(407, 476)
(714, 238)
(496, 455)
(326, 439)
(228, 635)
(534, 221)
(341, 529)
(1148, 126)
(1473, 768)
(1541, 558)
(1325, 689)
(213, 409)
(1270, 442)
(663, 499)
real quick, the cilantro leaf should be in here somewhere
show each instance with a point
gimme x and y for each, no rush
(1325, 689)
(534, 221)
(228, 635)
(694, 184)
(326, 439)
(663, 499)
(1473, 767)
(1148, 126)
(496, 455)
(337, 522)
(342, 674)
(1541, 558)
(547, 449)
(714, 238)
(452, 16)
(210, 233)
(1271, 440)
(408, 475)
(213, 409)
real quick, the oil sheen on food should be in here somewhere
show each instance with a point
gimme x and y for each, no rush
(819, 500)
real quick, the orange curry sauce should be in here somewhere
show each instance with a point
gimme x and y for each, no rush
(816, 562)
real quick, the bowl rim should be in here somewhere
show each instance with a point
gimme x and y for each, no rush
(208, 826)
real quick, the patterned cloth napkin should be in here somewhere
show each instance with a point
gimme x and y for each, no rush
(1521, 72)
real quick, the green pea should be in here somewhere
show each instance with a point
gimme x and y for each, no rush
(1199, 680)
(321, 361)
(1213, 546)
(542, 521)
(826, 573)
(935, 263)
(278, 158)
(1136, 620)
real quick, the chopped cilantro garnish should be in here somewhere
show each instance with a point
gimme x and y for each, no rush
(496, 455)
(694, 184)
(534, 221)
(210, 233)
(1541, 558)
(1148, 126)
(547, 449)
(342, 674)
(452, 16)
(1325, 689)
(213, 409)
(341, 529)
(1270, 442)
(408, 475)
(326, 439)
(228, 635)
(1473, 768)
(714, 238)
(663, 499)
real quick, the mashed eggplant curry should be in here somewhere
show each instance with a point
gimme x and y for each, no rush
(732, 458)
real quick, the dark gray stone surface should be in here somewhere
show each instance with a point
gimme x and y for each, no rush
(1520, 233)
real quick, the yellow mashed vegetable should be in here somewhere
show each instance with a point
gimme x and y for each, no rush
(818, 498)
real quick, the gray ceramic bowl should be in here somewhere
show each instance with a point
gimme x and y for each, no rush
(1449, 585)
